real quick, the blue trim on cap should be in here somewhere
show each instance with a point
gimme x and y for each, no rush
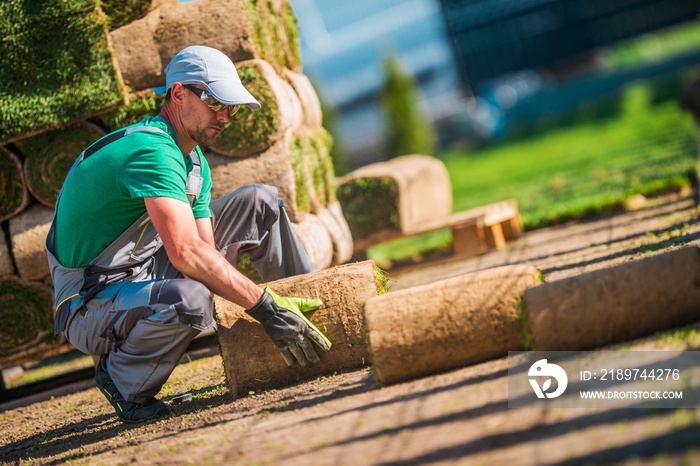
(159, 90)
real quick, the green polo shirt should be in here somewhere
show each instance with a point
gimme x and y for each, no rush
(104, 195)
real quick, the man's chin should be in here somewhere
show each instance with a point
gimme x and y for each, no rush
(207, 139)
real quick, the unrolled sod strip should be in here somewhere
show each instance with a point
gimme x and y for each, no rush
(251, 132)
(49, 156)
(26, 315)
(28, 232)
(447, 324)
(616, 304)
(14, 195)
(252, 362)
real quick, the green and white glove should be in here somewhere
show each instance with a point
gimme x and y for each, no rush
(284, 322)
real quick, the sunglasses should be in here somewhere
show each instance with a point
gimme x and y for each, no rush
(211, 102)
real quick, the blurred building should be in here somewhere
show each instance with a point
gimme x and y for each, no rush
(482, 65)
(524, 59)
(344, 45)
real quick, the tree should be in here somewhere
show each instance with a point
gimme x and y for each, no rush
(408, 130)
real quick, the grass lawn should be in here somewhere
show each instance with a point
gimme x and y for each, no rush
(570, 172)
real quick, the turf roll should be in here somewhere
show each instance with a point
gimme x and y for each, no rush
(28, 232)
(141, 105)
(279, 166)
(14, 195)
(253, 363)
(119, 12)
(399, 197)
(448, 324)
(316, 239)
(251, 132)
(7, 266)
(56, 65)
(292, 49)
(320, 175)
(310, 103)
(49, 156)
(26, 315)
(332, 218)
(144, 47)
(616, 304)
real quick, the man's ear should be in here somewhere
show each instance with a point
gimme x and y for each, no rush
(177, 93)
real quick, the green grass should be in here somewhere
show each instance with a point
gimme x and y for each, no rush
(653, 46)
(51, 367)
(55, 65)
(583, 169)
(570, 172)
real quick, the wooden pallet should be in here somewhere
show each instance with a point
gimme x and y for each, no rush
(477, 230)
(474, 231)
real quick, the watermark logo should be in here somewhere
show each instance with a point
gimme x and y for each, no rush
(541, 369)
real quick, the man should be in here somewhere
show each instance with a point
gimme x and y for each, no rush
(136, 247)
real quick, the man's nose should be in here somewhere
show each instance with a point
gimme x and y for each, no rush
(223, 115)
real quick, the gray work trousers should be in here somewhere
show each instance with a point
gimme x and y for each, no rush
(147, 325)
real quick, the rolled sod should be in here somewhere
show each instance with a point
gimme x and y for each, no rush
(251, 132)
(118, 14)
(292, 48)
(386, 200)
(316, 239)
(136, 52)
(314, 168)
(341, 237)
(310, 103)
(49, 156)
(447, 324)
(56, 65)
(28, 232)
(26, 315)
(7, 266)
(321, 174)
(141, 105)
(252, 362)
(616, 304)
(14, 195)
(279, 166)
(144, 47)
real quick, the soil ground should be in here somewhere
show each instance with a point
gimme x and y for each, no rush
(460, 417)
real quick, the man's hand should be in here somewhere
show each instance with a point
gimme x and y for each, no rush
(284, 322)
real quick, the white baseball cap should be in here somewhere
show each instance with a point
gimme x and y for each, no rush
(198, 64)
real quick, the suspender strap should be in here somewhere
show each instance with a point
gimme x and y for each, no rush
(103, 142)
(99, 144)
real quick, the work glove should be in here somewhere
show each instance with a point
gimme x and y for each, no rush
(284, 322)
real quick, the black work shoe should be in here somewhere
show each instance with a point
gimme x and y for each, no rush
(140, 412)
(128, 412)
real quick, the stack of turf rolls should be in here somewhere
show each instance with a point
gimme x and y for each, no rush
(75, 70)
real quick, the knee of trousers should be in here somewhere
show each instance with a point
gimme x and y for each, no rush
(264, 197)
(191, 300)
(246, 213)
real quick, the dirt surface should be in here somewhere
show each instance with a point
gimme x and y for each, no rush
(460, 417)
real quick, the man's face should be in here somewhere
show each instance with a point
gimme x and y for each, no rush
(203, 125)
